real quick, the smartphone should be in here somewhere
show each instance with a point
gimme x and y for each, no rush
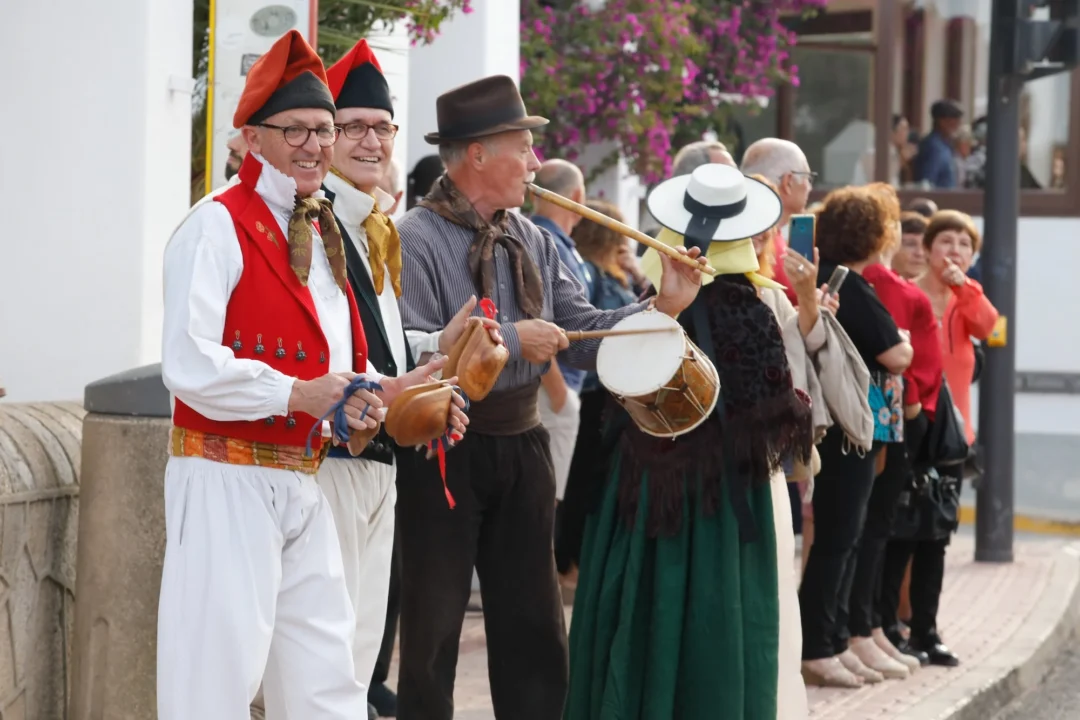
(801, 235)
(837, 279)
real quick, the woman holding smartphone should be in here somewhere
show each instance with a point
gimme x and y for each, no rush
(852, 229)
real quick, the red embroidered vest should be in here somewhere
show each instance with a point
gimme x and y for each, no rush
(271, 318)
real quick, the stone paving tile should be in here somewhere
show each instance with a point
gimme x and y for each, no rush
(982, 606)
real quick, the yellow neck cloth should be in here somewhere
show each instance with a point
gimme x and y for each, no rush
(727, 258)
(384, 245)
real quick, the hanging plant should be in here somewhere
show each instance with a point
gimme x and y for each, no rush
(641, 72)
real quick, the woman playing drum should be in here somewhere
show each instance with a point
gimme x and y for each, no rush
(678, 609)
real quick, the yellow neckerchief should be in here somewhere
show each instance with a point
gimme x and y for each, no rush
(384, 245)
(727, 258)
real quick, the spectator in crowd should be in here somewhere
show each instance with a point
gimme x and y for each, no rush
(852, 230)
(911, 311)
(237, 150)
(935, 163)
(699, 153)
(963, 149)
(963, 312)
(561, 385)
(924, 206)
(423, 176)
(901, 152)
(611, 288)
(785, 165)
(909, 262)
(765, 244)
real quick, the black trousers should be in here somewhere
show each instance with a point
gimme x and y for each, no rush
(927, 573)
(381, 673)
(841, 494)
(585, 483)
(880, 514)
(504, 487)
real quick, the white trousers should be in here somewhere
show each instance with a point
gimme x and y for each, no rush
(361, 495)
(792, 703)
(563, 429)
(252, 587)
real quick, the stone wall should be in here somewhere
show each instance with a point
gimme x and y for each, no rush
(40, 446)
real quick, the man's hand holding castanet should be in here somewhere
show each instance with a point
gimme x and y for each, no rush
(456, 327)
(679, 283)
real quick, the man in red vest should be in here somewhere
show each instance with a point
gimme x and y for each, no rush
(262, 339)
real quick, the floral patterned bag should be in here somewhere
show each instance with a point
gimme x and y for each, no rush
(886, 397)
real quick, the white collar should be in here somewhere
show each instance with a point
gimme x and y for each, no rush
(353, 205)
(277, 189)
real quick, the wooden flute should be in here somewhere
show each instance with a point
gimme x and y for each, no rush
(621, 228)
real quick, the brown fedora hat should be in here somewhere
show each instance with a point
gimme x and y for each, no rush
(485, 107)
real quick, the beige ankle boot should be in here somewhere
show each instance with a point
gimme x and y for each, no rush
(882, 641)
(875, 658)
(856, 666)
(829, 672)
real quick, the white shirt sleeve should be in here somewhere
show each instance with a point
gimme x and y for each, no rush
(421, 342)
(203, 264)
(372, 374)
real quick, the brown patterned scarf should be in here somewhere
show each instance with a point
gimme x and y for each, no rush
(446, 200)
(308, 210)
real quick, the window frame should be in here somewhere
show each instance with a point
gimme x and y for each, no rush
(888, 20)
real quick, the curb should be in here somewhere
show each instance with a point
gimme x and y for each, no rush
(1024, 660)
(1029, 523)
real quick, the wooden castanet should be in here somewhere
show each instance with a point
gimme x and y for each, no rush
(621, 228)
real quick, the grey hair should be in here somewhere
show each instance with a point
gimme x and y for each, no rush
(773, 158)
(691, 157)
(452, 153)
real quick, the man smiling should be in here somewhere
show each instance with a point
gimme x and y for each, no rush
(261, 338)
(362, 490)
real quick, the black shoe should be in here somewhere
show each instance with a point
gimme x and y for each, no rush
(383, 699)
(898, 641)
(938, 652)
(371, 713)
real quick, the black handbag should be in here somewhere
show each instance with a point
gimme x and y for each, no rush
(980, 362)
(946, 443)
(929, 509)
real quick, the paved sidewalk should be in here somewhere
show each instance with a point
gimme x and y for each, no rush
(998, 618)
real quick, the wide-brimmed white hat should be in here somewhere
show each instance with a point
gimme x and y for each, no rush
(715, 203)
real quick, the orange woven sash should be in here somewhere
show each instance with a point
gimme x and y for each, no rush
(193, 443)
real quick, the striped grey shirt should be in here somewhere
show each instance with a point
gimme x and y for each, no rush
(436, 282)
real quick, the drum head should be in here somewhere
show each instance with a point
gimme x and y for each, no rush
(632, 365)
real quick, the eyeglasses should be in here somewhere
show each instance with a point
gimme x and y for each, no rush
(298, 135)
(359, 130)
(811, 176)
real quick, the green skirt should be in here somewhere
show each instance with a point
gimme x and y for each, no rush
(684, 627)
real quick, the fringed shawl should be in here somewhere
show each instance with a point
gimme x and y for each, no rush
(765, 419)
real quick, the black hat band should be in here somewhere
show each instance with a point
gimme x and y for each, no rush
(705, 220)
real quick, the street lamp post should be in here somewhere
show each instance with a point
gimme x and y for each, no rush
(1022, 49)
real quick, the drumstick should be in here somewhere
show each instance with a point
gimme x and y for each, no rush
(575, 335)
(621, 228)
